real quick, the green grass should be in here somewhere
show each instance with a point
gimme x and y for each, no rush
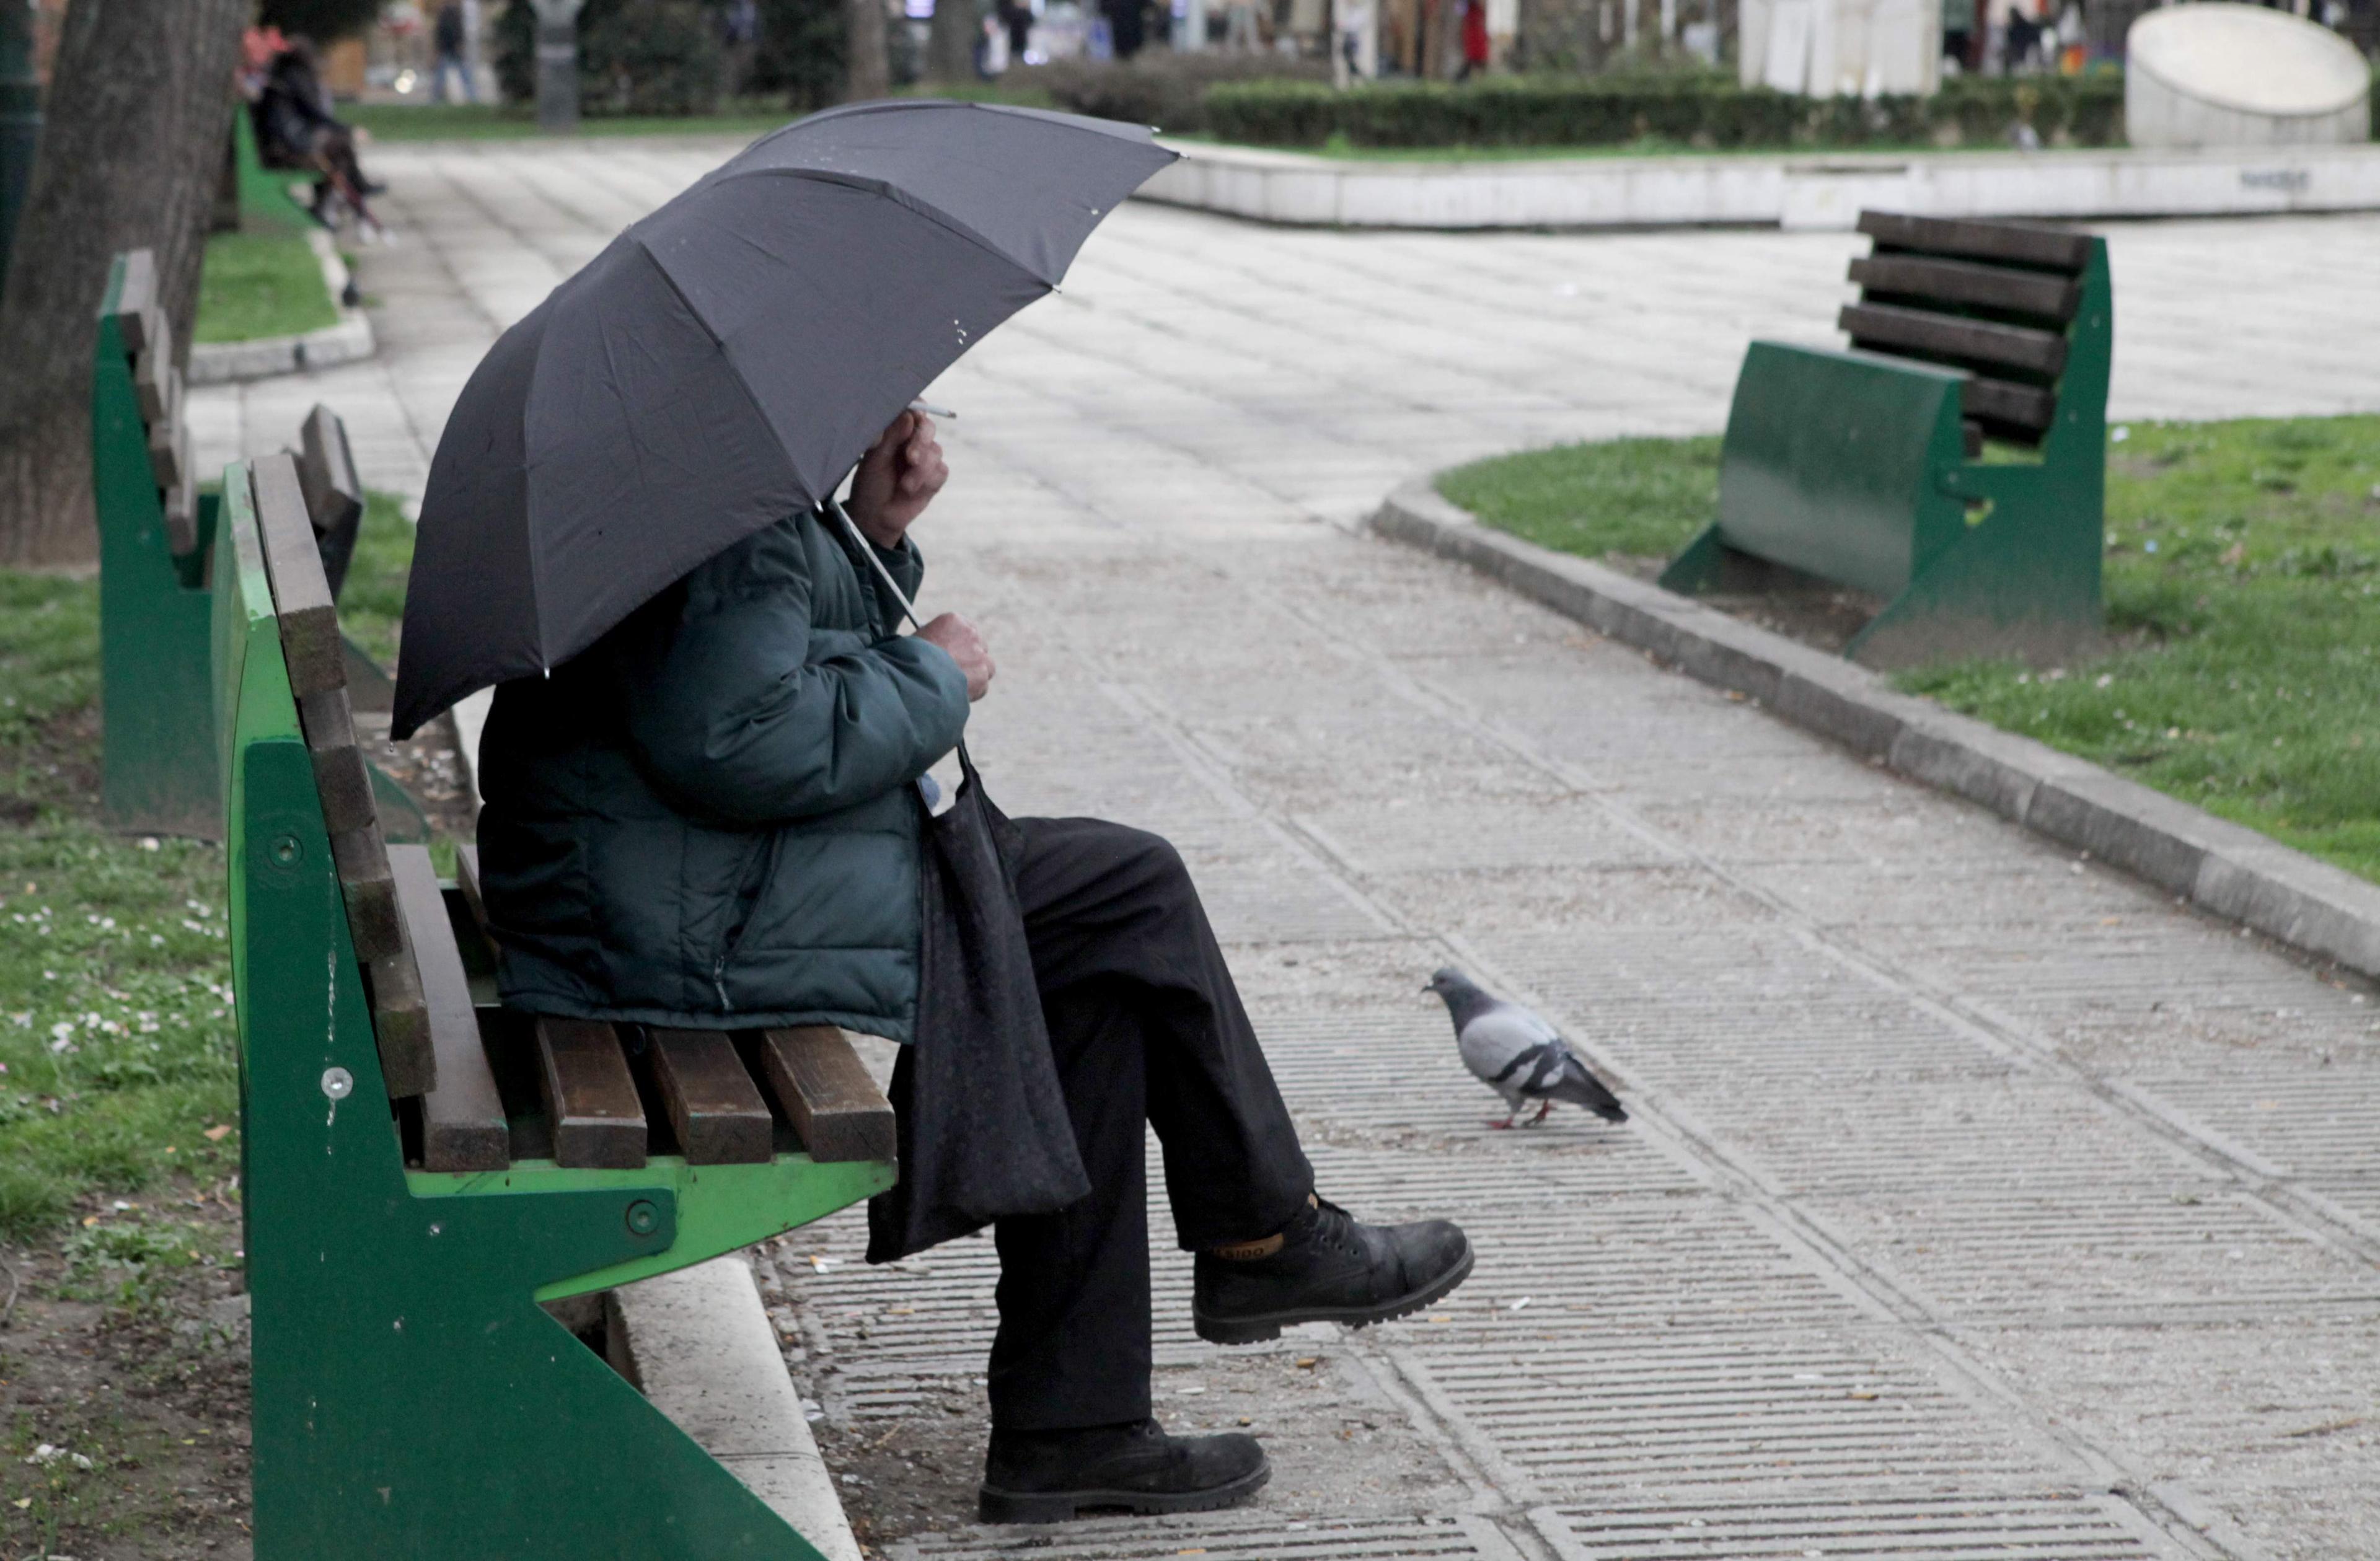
(474, 122)
(115, 1028)
(742, 116)
(262, 283)
(2243, 604)
(372, 602)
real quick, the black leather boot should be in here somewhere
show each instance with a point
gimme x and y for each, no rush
(1049, 1476)
(1329, 1268)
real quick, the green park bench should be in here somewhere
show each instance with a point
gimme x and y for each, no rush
(159, 767)
(423, 1168)
(1951, 465)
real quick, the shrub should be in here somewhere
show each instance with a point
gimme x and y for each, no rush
(650, 56)
(800, 52)
(323, 21)
(1700, 110)
(1157, 86)
(634, 56)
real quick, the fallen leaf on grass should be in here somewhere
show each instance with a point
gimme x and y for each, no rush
(216, 1134)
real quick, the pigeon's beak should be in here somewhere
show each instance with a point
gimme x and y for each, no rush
(1430, 989)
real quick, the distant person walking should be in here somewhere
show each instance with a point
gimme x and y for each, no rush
(449, 38)
(1474, 39)
(1017, 17)
(1127, 25)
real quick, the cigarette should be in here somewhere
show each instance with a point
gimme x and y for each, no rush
(930, 410)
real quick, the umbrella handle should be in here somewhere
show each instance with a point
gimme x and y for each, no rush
(850, 527)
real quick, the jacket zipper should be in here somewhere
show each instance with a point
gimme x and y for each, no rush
(734, 939)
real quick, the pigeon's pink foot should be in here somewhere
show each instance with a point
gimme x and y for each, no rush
(1505, 1123)
(1543, 1112)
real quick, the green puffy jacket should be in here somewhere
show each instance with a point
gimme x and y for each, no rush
(706, 819)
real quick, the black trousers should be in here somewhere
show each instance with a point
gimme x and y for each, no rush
(1147, 1029)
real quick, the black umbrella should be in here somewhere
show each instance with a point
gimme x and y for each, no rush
(726, 361)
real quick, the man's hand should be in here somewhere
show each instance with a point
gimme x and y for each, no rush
(897, 478)
(958, 637)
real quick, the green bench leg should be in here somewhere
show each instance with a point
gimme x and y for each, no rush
(158, 769)
(411, 1400)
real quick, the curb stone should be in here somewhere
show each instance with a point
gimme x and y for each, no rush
(350, 341)
(2224, 869)
(700, 1347)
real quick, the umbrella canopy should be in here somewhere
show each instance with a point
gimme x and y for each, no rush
(726, 361)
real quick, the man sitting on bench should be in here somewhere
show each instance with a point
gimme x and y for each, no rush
(705, 821)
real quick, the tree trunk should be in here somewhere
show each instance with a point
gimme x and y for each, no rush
(131, 151)
(867, 71)
(950, 45)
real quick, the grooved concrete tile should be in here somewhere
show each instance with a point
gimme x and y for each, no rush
(1226, 1537)
(1707, 1412)
(1908, 1525)
(1423, 832)
(1490, 902)
(2171, 1250)
(2010, 1131)
(2317, 1122)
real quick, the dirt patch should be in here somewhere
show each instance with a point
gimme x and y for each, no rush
(428, 767)
(124, 1390)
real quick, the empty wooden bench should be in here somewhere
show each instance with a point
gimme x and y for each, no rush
(159, 770)
(1951, 464)
(424, 1168)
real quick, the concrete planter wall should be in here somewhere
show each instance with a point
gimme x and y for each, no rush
(217, 363)
(1783, 191)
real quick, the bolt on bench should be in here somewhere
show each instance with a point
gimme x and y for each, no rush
(1951, 464)
(422, 1169)
(158, 769)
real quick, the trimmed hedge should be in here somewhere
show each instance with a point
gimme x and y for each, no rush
(1696, 111)
(1157, 86)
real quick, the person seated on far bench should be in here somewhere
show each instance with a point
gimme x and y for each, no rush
(706, 821)
(290, 111)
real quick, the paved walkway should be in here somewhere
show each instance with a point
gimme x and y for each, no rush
(1978, 1201)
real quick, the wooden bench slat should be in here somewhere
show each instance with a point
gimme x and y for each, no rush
(1958, 282)
(467, 878)
(463, 1126)
(157, 386)
(2028, 407)
(341, 779)
(140, 318)
(408, 1059)
(826, 1091)
(2016, 242)
(1973, 341)
(712, 1103)
(373, 925)
(334, 498)
(182, 515)
(301, 595)
(169, 452)
(591, 1097)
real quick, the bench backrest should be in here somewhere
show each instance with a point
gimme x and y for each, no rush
(143, 338)
(2011, 305)
(578, 1092)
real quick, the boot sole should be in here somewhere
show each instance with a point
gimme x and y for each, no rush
(1267, 1325)
(994, 1506)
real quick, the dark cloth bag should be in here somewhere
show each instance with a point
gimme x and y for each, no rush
(983, 1130)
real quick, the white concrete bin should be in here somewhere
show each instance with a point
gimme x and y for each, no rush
(2224, 75)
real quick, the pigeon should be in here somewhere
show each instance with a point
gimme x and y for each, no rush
(1519, 1054)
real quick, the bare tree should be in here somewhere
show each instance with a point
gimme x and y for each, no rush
(132, 144)
(950, 41)
(868, 72)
